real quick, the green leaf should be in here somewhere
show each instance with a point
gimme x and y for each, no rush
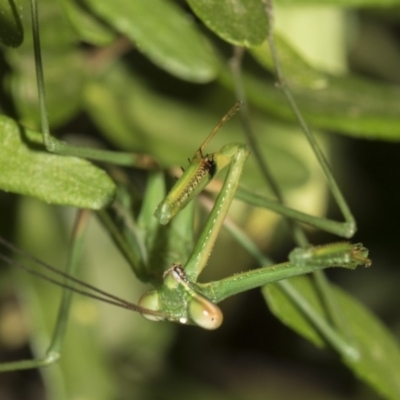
(240, 22)
(11, 31)
(347, 104)
(379, 353)
(296, 70)
(164, 34)
(89, 28)
(27, 169)
(63, 90)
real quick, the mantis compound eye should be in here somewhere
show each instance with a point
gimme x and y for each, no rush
(204, 313)
(200, 311)
(150, 301)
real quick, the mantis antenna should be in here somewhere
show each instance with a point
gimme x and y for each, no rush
(225, 118)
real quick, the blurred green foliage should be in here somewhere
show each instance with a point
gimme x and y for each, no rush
(153, 77)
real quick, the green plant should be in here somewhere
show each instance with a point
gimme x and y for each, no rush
(121, 94)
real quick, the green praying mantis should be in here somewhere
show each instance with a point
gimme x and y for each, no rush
(179, 282)
(178, 296)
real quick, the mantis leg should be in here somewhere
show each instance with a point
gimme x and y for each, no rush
(54, 350)
(52, 144)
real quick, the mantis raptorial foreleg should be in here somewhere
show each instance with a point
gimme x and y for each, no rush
(198, 174)
(179, 281)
